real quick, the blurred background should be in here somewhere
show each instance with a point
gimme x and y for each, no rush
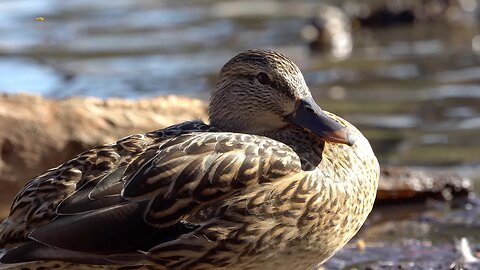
(405, 72)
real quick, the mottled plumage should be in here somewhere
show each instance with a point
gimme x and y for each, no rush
(272, 182)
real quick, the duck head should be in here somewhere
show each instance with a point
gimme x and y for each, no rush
(261, 92)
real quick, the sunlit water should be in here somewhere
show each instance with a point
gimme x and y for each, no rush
(413, 90)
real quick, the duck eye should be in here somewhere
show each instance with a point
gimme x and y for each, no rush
(263, 78)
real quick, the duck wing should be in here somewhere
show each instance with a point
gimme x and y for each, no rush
(193, 170)
(82, 190)
(147, 202)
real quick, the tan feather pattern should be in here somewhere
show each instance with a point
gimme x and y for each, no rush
(36, 204)
(192, 170)
(197, 196)
(298, 209)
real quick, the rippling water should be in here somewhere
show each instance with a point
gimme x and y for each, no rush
(414, 90)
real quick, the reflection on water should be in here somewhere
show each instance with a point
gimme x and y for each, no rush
(414, 90)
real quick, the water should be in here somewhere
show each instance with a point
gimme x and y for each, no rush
(413, 90)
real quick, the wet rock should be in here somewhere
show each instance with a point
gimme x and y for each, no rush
(406, 254)
(385, 16)
(399, 184)
(37, 133)
(408, 13)
(407, 238)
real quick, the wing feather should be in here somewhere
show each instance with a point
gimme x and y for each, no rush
(193, 170)
(147, 201)
(95, 194)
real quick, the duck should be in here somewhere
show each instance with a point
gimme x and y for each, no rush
(329, 31)
(271, 182)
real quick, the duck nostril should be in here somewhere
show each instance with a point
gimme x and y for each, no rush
(309, 109)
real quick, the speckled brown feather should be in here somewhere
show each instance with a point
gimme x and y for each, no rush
(36, 204)
(197, 196)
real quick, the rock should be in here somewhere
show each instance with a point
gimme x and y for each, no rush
(406, 254)
(406, 238)
(399, 184)
(381, 15)
(37, 133)
(385, 17)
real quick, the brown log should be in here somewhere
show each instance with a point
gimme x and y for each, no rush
(38, 133)
(399, 183)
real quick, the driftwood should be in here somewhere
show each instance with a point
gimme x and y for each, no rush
(38, 133)
(399, 183)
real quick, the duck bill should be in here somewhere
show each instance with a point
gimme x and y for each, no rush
(309, 116)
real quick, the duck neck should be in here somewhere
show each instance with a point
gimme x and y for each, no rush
(303, 143)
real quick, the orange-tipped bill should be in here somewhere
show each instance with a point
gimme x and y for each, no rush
(309, 116)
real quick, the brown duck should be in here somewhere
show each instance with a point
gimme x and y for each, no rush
(273, 182)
